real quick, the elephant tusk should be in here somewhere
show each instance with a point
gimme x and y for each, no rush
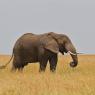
(71, 53)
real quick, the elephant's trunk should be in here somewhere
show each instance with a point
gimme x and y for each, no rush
(70, 48)
(75, 60)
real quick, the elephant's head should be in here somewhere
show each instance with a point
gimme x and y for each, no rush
(61, 43)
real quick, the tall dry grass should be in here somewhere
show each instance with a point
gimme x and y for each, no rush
(66, 80)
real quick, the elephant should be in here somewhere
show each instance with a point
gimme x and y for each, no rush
(32, 48)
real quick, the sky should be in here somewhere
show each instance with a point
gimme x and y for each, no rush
(75, 18)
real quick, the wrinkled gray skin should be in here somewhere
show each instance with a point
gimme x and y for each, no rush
(31, 48)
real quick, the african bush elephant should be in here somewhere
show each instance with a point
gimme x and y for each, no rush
(31, 48)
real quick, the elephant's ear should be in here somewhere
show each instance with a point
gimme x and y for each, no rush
(52, 46)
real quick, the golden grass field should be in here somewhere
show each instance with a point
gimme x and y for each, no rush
(66, 80)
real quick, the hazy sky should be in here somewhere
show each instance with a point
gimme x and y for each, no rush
(76, 18)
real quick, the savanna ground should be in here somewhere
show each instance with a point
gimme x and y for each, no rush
(66, 80)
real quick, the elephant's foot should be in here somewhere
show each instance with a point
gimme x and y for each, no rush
(13, 69)
(53, 69)
(20, 69)
(42, 69)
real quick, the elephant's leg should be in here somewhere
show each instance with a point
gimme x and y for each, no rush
(53, 62)
(17, 64)
(14, 65)
(43, 64)
(20, 68)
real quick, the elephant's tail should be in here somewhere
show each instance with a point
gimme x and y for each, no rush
(4, 66)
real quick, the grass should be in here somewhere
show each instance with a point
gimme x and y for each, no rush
(66, 80)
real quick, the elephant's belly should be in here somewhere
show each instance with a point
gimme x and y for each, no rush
(30, 59)
(30, 56)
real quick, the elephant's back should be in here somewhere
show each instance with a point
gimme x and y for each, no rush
(25, 47)
(21, 40)
(27, 35)
(30, 40)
